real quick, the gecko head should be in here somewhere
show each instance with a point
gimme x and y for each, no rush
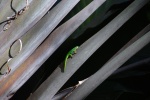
(76, 47)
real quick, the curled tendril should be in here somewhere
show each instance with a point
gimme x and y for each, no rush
(8, 68)
(9, 19)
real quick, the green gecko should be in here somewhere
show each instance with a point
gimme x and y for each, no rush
(69, 54)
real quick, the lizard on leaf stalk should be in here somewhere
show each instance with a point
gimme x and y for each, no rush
(70, 54)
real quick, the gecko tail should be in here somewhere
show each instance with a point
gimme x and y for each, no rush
(65, 63)
(64, 66)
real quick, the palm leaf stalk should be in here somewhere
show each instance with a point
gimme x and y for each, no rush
(131, 66)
